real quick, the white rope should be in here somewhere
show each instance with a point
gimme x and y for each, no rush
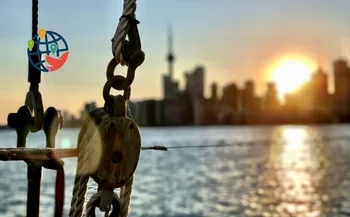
(120, 33)
(89, 152)
(125, 197)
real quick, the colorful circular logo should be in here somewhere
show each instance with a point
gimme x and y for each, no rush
(47, 51)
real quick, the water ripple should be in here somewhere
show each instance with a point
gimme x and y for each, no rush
(296, 178)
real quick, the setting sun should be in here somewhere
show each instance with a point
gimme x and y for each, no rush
(291, 73)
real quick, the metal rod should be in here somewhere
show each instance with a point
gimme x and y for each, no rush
(59, 197)
(33, 154)
(34, 75)
(158, 148)
(33, 194)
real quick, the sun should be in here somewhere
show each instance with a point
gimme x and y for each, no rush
(290, 74)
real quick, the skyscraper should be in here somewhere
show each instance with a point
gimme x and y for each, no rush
(320, 96)
(214, 92)
(173, 110)
(170, 86)
(195, 91)
(230, 96)
(170, 56)
(271, 101)
(248, 99)
(249, 88)
(195, 83)
(342, 86)
(304, 97)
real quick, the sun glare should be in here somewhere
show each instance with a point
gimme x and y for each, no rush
(290, 74)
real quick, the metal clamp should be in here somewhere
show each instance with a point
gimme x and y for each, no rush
(53, 121)
(34, 102)
(22, 121)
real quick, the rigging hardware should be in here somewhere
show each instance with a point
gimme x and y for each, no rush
(117, 150)
(24, 122)
(109, 143)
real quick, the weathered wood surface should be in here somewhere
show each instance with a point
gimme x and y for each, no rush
(121, 144)
(16, 154)
(11, 154)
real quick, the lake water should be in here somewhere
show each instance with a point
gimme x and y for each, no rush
(296, 174)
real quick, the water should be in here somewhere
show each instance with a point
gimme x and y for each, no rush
(293, 178)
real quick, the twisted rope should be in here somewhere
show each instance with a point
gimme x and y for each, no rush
(121, 31)
(125, 196)
(89, 150)
(35, 9)
(80, 196)
(74, 195)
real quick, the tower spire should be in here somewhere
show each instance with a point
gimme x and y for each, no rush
(170, 56)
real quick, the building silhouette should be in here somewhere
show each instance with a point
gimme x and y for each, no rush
(214, 92)
(250, 103)
(195, 91)
(229, 105)
(230, 96)
(320, 95)
(170, 86)
(211, 107)
(172, 110)
(342, 87)
(271, 98)
(178, 107)
(311, 103)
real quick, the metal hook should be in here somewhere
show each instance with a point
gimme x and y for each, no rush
(98, 199)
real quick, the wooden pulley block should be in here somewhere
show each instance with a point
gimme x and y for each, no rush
(110, 147)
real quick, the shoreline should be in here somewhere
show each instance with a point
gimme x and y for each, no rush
(5, 127)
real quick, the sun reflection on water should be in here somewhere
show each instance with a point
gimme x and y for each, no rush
(297, 159)
(295, 168)
(294, 137)
(297, 148)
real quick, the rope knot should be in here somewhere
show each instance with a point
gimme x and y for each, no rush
(130, 18)
(126, 26)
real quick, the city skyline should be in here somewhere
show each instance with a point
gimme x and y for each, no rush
(255, 32)
(239, 105)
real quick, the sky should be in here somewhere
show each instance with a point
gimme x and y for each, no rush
(234, 40)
